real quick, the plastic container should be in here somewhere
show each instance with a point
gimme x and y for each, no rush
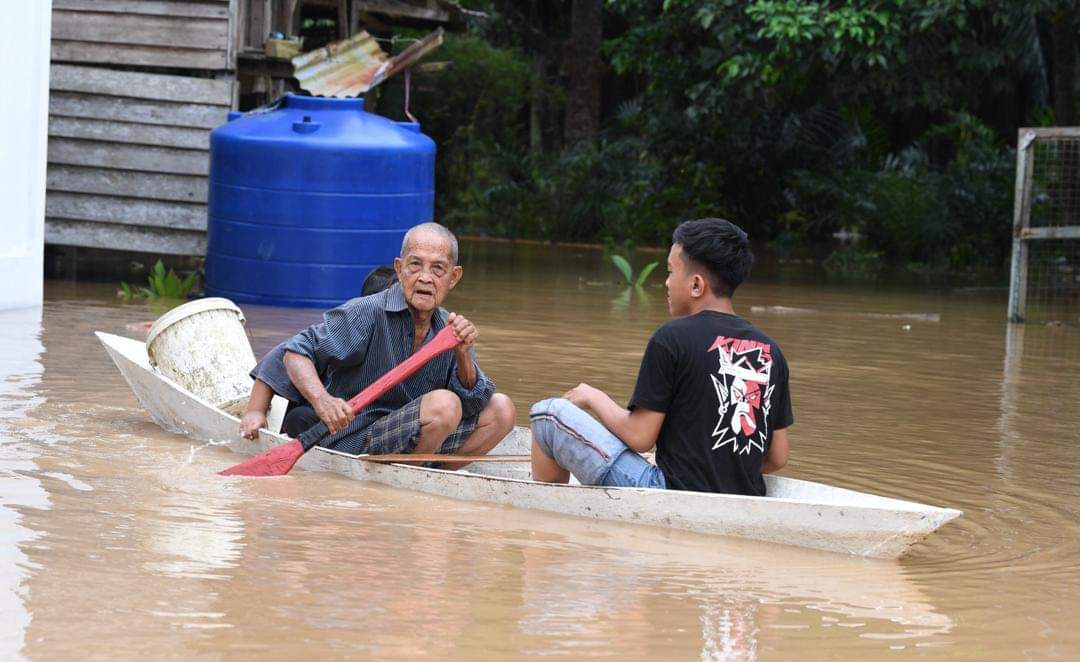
(202, 346)
(307, 198)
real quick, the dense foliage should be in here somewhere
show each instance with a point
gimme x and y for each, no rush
(888, 121)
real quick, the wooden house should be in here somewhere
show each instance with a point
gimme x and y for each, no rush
(137, 85)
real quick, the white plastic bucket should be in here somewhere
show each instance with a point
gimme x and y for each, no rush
(202, 346)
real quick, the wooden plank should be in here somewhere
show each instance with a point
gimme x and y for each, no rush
(148, 56)
(234, 92)
(132, 184)
(124, 237)
(1060, 232)
(128, 132)
(432, 67)
(139, 111)
(401, 9)
(138, 85)
(118, 156)
(125, 211)
(343, 20)
(414, 52)
(232, 33)
(218, 10)
(255, 24)
(1021, 220)
(1055, 132)
(417, 458)
(288, 16)
(141, 30)
(354, 18)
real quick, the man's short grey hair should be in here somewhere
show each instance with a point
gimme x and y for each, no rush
(432, 226)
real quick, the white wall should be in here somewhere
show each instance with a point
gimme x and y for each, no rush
(24, 52)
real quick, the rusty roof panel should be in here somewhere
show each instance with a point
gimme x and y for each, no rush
(355, 65)
(343, 69)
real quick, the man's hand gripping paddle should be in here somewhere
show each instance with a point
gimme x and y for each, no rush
(279, 461)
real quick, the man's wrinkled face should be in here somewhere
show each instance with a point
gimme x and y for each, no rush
(426, 271)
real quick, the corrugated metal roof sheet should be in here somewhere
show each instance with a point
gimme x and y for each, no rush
(342, 69)
(357, 64)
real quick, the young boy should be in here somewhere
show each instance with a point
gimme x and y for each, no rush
(270, 376)
(378, 279)
(711, 395)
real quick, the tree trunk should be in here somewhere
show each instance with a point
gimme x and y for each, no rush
(585, 71)
(1063, 36)
(536, 104)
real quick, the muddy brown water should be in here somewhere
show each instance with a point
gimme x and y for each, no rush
(117, 540)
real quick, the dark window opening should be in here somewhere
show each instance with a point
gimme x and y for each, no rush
(318, 26)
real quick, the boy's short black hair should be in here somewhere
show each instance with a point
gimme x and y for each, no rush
(378, 280)
(719, 247)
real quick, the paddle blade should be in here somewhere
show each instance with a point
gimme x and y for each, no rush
(277, 461)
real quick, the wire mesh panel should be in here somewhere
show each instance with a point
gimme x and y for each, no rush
(1045, 284)
(1055, 189)
(1053, 282)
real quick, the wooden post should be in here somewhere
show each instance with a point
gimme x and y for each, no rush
(233, 42)
(342, 20)
(1021, 218)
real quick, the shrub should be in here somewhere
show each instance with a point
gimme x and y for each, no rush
(162, 285)
(955, 213)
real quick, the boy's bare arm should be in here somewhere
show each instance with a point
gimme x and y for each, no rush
(638, 429)
(777, 456)
(258, 403)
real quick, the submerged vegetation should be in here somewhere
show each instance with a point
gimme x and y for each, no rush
(892, 121)
(161, 285)
(623, 265)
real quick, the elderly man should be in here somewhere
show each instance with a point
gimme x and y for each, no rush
(449, 406)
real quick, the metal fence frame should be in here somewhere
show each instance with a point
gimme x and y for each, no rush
(1023, 233)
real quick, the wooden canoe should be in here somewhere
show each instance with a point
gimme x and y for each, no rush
(796, 512)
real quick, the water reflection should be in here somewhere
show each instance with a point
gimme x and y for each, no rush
(1038, 388)
(20, 372)
(580, 586)
(203, 538)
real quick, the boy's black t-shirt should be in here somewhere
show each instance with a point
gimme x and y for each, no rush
(723, 387)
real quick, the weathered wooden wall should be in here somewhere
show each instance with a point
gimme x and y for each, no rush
(129, 150)
(183, 34)
(129, 158)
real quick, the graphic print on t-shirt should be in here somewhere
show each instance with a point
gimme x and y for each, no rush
(743, 391)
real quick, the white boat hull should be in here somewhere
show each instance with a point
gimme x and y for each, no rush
(797, 512)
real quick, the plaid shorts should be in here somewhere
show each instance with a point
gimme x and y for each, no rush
(396, 432)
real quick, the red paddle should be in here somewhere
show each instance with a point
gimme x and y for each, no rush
(279, 461)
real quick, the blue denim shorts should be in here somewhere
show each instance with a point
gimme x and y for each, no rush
(580, 444)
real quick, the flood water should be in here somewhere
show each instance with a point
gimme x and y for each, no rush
(116, 540)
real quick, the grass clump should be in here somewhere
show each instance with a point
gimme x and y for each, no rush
(162, 284)
(623, 265)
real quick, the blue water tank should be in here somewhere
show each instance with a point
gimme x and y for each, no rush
(307, 198)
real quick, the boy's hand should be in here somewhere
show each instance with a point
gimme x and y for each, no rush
(581, 395)
(464, 330)
(250, 424)
(334, 412)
